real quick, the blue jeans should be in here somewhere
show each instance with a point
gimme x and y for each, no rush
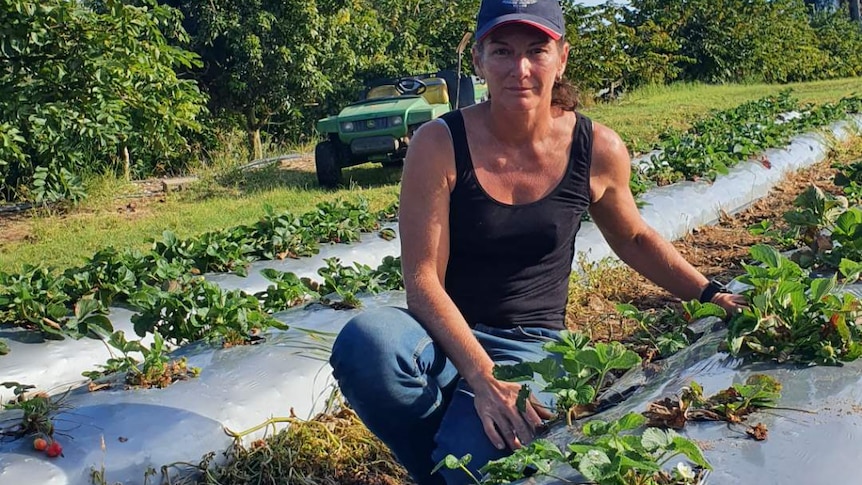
(409, 394)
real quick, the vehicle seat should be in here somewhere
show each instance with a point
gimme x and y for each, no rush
(384, 91)
(436, 93)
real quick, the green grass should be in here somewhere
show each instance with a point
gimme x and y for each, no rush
(643, 114)
(225, 199)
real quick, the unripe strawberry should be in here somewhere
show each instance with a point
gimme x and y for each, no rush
(39, 444)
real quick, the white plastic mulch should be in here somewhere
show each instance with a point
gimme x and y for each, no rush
(243, 386)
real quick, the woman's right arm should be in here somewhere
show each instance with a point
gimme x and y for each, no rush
(427, 181)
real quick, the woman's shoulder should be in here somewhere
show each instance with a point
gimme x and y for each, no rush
(607, 142)
(431, 150)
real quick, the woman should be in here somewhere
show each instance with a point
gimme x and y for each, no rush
(491, 200)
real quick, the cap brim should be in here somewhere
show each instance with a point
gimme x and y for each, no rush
(518, 19)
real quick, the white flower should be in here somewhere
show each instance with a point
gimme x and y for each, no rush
(684, 471)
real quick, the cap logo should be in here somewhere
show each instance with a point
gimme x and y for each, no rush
(519, 3)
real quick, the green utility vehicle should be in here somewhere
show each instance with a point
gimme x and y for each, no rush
(378, 128)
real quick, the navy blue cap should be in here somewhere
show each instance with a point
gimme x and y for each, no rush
(545, 15)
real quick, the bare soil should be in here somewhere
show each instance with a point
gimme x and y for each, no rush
(15, 228)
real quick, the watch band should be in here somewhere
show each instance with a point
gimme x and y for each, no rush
(712, 288)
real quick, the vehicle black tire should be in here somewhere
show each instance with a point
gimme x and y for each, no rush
(326, 162)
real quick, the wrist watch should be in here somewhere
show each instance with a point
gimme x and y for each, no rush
(712, 288)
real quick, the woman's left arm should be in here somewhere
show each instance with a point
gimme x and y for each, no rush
(615, 213)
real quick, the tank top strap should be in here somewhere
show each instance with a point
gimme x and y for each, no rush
(463, 163)
(582, 141)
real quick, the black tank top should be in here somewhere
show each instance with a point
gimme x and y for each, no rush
(509, 265)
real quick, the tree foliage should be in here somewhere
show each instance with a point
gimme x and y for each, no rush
(82, 85)
(85, 82)
(841, 40)
(260, 57)
(738, 40)
(292, 61)
(610, 51)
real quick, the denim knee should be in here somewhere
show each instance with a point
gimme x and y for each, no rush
(381, 352)
(368, 340)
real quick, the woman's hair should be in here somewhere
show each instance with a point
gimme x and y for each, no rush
(564, 95)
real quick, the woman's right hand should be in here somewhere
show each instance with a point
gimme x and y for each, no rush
(496, 403)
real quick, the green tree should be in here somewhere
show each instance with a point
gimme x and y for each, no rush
(427, 32)
(260, 57)
(609, 51)
(88, 88)
(738, 40)
(841, 40)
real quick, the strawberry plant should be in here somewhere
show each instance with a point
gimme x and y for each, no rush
(340, 221)
(157, 369)
(665, 333)
(388, 213)
(454, 463)
(347, 282)
(849, 177)
(174, 249)
(226, 251)
(387, 234)
(199, 309)
(713, 145)
(576, 374)
(736, 402)
(280, 236)
(733, 404)
(36, 411)
(827, 229)
(815, 211)
(846, 238)
(610, 455)
(36, 299)
(104, 277)
(536, 458)
(115, 364)
(765, 228)
(90, 318)
(63, 305)
(389, 274)
(722, 140)
(29, 298)
(286, 291)
(793, 318)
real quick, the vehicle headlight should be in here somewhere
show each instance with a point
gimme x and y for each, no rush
(347, 126)
(397, 121)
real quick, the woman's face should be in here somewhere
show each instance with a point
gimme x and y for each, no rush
(520, 64)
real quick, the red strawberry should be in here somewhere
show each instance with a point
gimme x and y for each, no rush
(54, 450)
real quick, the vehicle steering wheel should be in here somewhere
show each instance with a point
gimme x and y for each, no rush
(410, 85)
